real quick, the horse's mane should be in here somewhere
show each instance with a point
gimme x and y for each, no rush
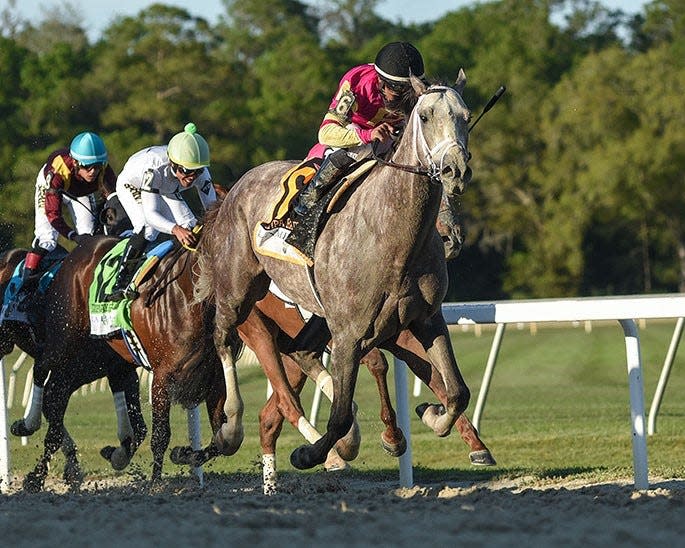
(203, 288)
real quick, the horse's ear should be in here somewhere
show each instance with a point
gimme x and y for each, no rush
(460, 83)
(417, 84)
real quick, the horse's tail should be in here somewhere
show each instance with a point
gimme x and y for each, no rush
(203, 289)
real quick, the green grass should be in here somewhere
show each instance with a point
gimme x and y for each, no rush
(558, 406)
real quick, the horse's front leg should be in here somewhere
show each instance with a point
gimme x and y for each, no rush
(345, 359)
(433, 336)
(57, 394)
(392, 439)
(408, 349)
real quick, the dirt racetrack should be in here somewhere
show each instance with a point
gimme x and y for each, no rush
(344, 510)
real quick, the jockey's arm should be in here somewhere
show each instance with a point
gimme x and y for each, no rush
(155, 212)
(53, 210)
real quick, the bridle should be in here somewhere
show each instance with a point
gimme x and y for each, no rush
(434, 169)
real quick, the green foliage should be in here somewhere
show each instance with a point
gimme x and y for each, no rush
(578, 170)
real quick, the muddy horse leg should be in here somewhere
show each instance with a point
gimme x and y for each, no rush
(161, 428)
(215, 400)
(56, 398)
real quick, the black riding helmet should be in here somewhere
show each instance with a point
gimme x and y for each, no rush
(396, 61)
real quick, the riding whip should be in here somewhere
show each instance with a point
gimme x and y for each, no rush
(490, 104)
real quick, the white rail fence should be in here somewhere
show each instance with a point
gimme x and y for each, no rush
(625, 310)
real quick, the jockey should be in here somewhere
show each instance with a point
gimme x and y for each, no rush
(370, 104)
(68, 176)
(149, 188)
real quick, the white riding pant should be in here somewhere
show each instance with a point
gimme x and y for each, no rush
(81, 210)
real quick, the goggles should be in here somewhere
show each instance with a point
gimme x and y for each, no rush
(395, 87)
(185, 171)
(90, 167)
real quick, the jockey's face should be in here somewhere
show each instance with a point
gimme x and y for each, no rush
(184, 175)
(89, 173)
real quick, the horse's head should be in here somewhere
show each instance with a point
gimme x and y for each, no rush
(439, 129)
(113, 217)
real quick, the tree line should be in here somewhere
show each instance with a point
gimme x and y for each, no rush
(579, 170)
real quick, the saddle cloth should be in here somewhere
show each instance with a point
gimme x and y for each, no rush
(16, 300)
(109, 318)
(269, 236)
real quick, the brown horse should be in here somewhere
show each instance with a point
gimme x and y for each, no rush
(290, 321)
(72, 369)
(379, 264)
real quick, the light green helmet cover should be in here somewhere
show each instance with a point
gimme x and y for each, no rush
(188, 148)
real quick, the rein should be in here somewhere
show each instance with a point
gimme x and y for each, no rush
(433, 170)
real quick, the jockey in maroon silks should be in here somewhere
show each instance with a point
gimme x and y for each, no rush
(370, 105)
(69, 177)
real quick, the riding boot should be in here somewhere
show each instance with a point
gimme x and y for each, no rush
(332, 167)
(31, 273)
(127, 268)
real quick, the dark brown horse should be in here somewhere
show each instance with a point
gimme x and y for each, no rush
(175, 332)
(379, 264)
(72, 369)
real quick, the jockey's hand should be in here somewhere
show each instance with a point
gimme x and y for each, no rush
(185, 236)
(383, 132)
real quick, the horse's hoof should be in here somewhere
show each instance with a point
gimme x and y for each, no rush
(106, 453)
(394, 449)
(227, 442)
(33, 482)
(120, 458)
(348, 446)
(335, 463)
(423, 407)
(482, 458)
(182, 455)
(19, 428)
(301, 458)
(73, 475)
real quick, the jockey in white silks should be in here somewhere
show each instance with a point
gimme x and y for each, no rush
(149, 188)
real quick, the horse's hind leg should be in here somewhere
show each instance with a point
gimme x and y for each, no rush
(410, 351)
(392, 439)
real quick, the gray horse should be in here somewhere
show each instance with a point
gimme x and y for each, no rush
(379, 265)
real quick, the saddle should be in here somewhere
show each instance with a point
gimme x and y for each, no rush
(19, 301)
(270, 236)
